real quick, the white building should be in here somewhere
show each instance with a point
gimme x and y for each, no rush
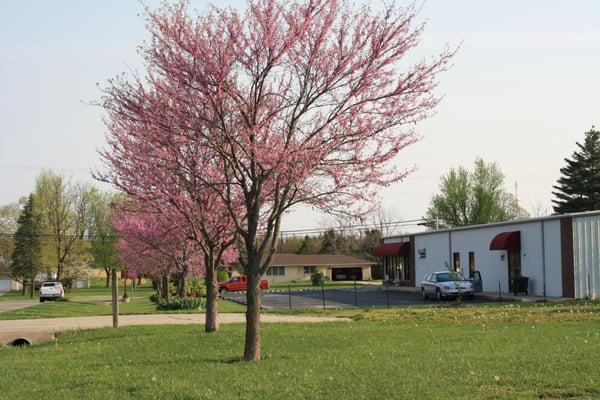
(560, 254)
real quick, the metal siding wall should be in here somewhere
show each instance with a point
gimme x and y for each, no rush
(493, 268)
(436, 245)
(553, 261)
(586, 256)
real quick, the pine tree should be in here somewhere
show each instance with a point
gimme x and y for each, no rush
(578, 189)
(25, 263)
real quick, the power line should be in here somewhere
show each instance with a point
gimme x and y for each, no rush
(292, 232)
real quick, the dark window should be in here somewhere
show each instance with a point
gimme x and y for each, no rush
(471, 262)
(456, 264)
(309, 270)
(276, 271)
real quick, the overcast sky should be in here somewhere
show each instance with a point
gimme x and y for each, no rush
(524, 88)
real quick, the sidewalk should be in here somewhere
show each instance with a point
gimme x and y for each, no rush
(46, 328)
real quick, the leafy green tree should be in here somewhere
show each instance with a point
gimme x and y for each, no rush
(329, 242)
(473, 197)
(578, 189)
(9, 215)
(310, 245)
(64, 209)
(104, 237)
(25, 260)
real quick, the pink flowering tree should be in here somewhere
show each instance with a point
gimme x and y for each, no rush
(292, 102)
(156, 246)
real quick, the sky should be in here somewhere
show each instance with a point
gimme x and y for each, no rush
(523, 89)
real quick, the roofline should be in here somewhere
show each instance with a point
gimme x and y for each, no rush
(503, 223)
(323, 264)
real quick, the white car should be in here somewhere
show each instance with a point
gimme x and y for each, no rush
(446, 284)
(51, 291)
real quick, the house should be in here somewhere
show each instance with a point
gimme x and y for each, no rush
(7, 284)
(287, 267)
(560, 254)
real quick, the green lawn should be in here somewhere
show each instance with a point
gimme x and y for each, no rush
(59, 309)
(505, 352)
(303, 285)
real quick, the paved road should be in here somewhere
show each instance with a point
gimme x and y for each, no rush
(10, 305)
(340, 298)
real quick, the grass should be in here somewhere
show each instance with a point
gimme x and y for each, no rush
(307, 285)
(60, 309)
(501, 352)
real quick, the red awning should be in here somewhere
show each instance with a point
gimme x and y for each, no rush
(506, 241)
(391, 249)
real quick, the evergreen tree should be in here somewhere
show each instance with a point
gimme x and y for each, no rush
(25, 263)
(578, 189)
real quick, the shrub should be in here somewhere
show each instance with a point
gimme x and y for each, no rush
(155, 298)
(222, 275)
(195, 288)
(177, 303)
(317, 278)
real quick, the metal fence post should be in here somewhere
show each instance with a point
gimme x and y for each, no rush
(387, 294)
(290, 294)
(499, 292)
(323, 293)
(355, 293)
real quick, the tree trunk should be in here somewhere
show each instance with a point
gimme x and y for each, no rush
(59, 272)
(253, 300)
(212, 297)
(181, 285)
(24, 286)
(165, 287)
(107, 270)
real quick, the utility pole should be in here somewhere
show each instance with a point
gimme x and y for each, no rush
(115, 299)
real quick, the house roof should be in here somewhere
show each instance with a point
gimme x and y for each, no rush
(306, 260)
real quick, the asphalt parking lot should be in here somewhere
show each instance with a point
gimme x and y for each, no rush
(340, 298)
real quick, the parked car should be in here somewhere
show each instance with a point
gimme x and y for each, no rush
(446, 284)
(51, 291)
(239, 284)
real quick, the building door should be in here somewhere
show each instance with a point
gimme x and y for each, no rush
(514, 267)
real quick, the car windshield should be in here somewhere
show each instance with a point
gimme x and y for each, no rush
(448, 277)
(49, 284)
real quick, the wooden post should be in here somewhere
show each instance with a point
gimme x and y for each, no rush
(115, 299)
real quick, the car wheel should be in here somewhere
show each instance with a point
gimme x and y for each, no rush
(438, 294)
(423, 294)
(41, 300)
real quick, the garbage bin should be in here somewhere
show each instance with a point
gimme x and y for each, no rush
(519, 284)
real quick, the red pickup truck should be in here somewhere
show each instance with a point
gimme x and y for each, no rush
(239, 284)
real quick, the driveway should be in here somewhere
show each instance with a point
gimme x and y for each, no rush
(340, 298)
(10, 305)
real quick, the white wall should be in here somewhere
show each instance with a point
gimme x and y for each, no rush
(586, 256)
(493, 268)
(436, 248)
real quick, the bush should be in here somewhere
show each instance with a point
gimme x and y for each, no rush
(195, 288)
(317, 278)
(155, 298)
(177, 303)
(222, 275)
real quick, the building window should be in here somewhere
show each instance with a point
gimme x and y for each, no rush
(309, 270)
(456, 263)
(471, 262)
(276, 271)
